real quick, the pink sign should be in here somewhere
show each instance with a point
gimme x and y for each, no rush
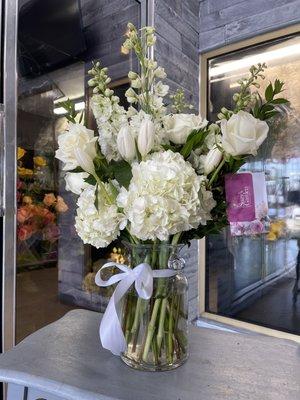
(240, 197)
(247, 206)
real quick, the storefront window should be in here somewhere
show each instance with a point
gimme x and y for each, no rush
(55, 270)
(256, 278)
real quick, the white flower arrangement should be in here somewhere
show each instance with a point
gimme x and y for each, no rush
(169, 166)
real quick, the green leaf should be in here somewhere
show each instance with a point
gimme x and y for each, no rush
(278, 85)
(269, 92)
(280, 100)
(195, 141)
(121, 171)
(90, 180)
(266, 107)
(96, 202)
(192, 134)
(270, 114)
(77, 169)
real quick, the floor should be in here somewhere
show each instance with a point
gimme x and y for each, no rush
(37, 301)
(275, 309)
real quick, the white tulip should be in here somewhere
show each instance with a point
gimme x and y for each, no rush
(126, 143)
(146, 137)
(179, 126)
(212, 160)
(75, 181)
(85, 157)
(243, 134)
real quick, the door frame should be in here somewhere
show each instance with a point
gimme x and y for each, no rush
(203, 88)
(10, 178)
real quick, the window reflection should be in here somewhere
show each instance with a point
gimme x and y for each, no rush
(55, 271)
(256, 278)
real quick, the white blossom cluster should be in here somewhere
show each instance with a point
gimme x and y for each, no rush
(110, 117)
(174, 158)
(98, 227)
(165, 197)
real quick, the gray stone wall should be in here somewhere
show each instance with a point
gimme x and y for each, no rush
(176, 49)
(226, 21)
(104, 24)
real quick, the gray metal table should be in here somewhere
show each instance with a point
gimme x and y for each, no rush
(65, 361)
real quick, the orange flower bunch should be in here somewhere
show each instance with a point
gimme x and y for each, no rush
(33, 218)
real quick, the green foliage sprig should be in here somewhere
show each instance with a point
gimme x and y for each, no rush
(265, 109)
(244, 97)
(179, 104)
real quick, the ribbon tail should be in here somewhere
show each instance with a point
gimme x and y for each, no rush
(111, 333)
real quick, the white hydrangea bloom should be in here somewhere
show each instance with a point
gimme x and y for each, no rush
(165, 197)
(98, 227)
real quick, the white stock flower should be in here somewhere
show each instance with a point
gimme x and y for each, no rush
(146, 136)
(243, 134)
(160, 73)
(110, 116)
(165, 197)
(76, 144)
(102, 107)
(160, 89)
(126, 143)
(179, 126)
(75, 181)
(97, 227)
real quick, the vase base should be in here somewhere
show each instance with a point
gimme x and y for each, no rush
(142, 366)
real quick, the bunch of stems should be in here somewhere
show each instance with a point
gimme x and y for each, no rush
(152, 327)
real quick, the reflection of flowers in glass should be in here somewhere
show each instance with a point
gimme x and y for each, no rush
(27, 200)
(25, 232)
(21, 153)
(49, 199)
(39, 161)
(61, 206)
(51, 232)
(25, 172)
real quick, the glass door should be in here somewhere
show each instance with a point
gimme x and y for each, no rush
(57, 40)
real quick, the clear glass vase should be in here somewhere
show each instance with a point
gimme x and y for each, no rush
(156, 330)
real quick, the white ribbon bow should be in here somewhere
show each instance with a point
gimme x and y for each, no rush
(111, 333)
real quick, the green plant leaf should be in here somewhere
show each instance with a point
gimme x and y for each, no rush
(90, 180)
(77, 169)
(269, 92)
(121, 171)
(278, 85)
(280, 100)
(194, 142)
(96, 203)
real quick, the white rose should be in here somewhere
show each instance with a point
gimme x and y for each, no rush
(146, 137)
(243, 134)
(179, 126)
(212, 160)
(75, 181)
(72, 143)
(126, 143)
